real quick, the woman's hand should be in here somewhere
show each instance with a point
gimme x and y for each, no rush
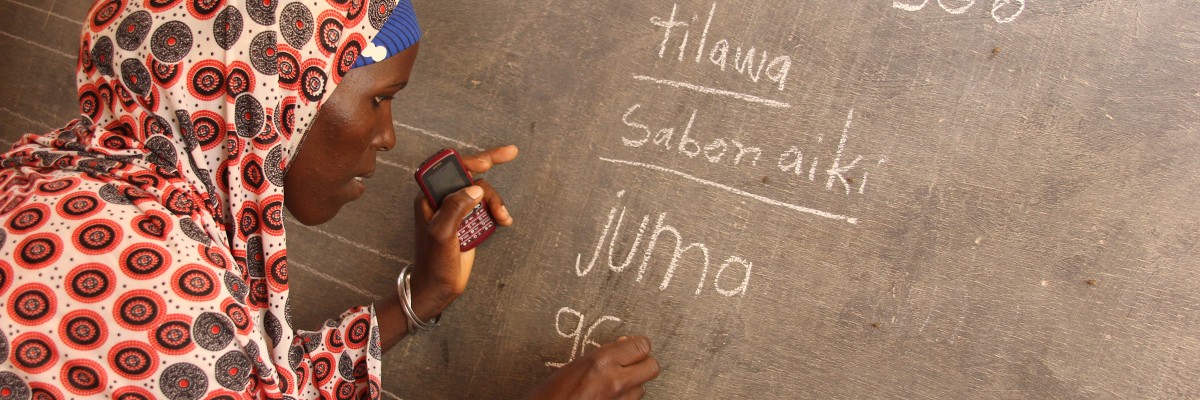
(614, 371)
(442, 268)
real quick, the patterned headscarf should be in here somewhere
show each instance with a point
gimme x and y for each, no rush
(170, 186)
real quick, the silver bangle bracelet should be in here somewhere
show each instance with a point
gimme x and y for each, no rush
(404, 290)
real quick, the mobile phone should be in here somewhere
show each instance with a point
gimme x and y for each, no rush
(443, 174)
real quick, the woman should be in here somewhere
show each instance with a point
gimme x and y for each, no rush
(143, 246)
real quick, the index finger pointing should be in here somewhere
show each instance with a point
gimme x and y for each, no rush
(485, 160)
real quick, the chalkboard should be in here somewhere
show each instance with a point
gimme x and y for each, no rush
(875, 199)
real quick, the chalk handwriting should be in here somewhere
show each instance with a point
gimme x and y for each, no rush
(696, 251)
(837, 171)
(1003, 11)
(581, 342)
(726, 152)
(722, 53)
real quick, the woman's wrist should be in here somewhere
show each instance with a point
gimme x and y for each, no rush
(429, 297)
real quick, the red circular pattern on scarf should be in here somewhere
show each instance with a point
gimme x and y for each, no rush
(161, 5)
(238, 80)
(57, 186)
(204, 9)
(6, 278)
(277, 271)
(43, 391)
(32, 304)
(207, 80)
(347, 55)
(258, 293)
(237, 313)
(28, 218)
(139, 310)
(89, 103)
(253, 177)
(285, 378)
(329, 32)
(83, 330)
(195, 282)
(145, 261)
(209, 128)
(33, 352)
(289, 68)
(132, 393)
(273, 215)
(133, 360)
(79, 206)
(97, 237)
(358, 332)
(145, 179)
(173, 335)
(214, 256)
(83, 377)
(12, 204)
(323, 366)
(333, 340)
(165, 75)
(153, 225)
(344, 390)
(39, 251)
(248, 219)
(90, 283)
(223, 394)
(106, 13)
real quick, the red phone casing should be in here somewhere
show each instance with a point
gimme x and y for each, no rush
(472, 219)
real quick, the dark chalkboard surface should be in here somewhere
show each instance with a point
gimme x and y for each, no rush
(874, 199)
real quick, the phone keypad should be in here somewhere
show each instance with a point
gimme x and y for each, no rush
(476, 224)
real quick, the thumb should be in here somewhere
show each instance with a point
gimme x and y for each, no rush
(456, 207)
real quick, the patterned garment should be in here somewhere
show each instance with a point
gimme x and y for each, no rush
(142, 247)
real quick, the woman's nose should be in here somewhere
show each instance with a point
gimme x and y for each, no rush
(386, 140)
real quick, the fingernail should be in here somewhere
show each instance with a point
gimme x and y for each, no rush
(475, 192)
(504, 213)
(622, 338)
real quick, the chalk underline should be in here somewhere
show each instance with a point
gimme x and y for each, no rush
(434, 135)
(719, 92)
(806, 210)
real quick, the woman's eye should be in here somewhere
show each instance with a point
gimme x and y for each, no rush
(380, 99)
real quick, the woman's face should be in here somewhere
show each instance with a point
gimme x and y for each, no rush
(338, 154)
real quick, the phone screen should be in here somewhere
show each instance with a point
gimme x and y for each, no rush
(445, 178)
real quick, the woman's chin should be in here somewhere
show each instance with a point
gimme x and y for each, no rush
(323, 207)
(316, 215)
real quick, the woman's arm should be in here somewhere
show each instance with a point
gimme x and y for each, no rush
(442, 269)
(616, 370)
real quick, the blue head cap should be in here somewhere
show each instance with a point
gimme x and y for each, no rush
(399, 32)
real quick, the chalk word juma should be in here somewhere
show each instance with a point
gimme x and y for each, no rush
(1003, 11)
(843, 172)
(721, 52)
(699, 251)
(581, 342)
